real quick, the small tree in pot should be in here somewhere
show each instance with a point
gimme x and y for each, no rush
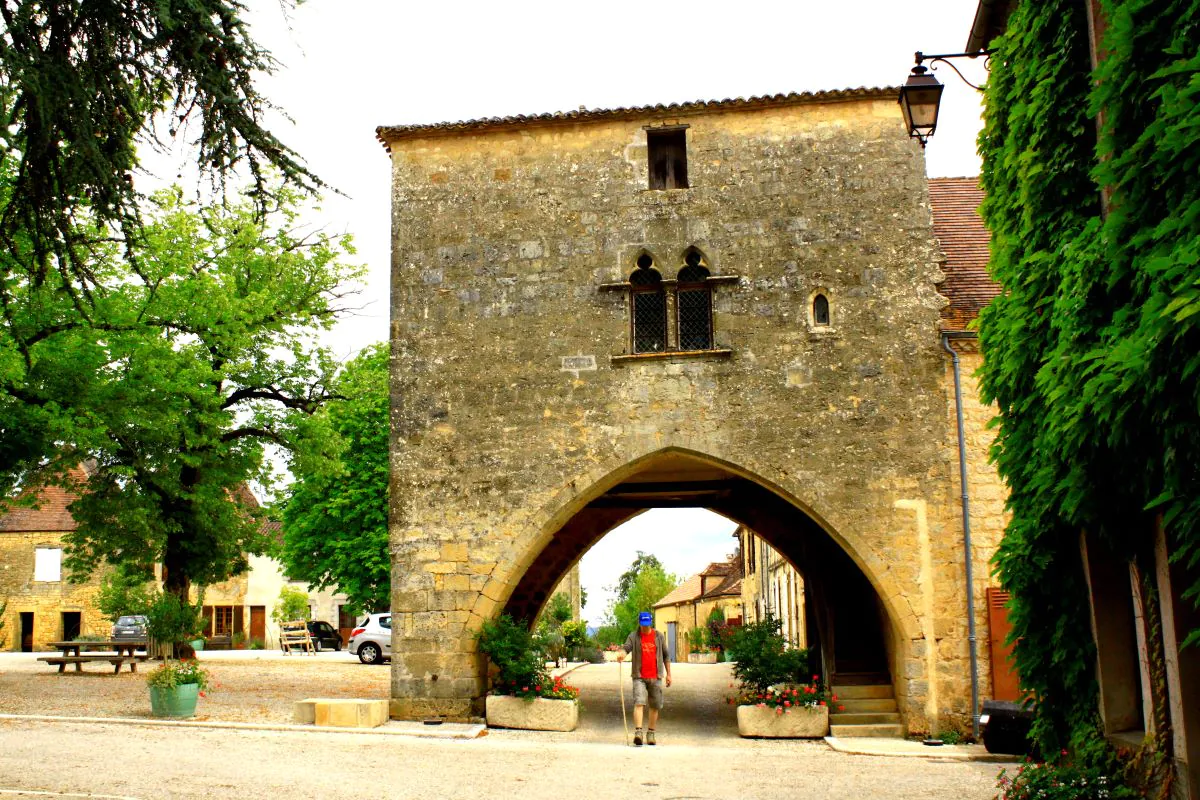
(547, 702)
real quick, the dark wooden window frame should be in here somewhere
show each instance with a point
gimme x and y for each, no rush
(668, 142)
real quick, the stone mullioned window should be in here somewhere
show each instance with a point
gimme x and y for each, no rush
(671, 316)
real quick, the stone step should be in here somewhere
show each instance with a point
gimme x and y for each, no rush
(871, 692)
(867, 706)
(864, 731)
(862, 678)
(852, 718)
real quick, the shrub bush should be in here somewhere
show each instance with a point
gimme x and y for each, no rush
(1064, 781)
(762, 656)
(517, 656)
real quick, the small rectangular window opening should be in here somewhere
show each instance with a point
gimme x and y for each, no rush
(668, 158)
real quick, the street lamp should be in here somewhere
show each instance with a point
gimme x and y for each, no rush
(920, 97)
(921, 94)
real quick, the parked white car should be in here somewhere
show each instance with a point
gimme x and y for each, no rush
(371, 641)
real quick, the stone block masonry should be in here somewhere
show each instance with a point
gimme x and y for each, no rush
(517, 399)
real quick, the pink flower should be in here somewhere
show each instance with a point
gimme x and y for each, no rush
(537, 688)
(787, 702)
(821, 703)
(524, 688)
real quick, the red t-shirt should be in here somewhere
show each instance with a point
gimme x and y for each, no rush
(649, 655)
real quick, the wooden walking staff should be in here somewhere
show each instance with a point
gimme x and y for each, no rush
(621, 691)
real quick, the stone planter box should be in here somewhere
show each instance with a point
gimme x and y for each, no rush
(803, 722)
(702, 658)
(539, 714)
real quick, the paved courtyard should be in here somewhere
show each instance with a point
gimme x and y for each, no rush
(700, 756)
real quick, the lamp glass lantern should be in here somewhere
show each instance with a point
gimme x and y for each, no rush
(919, 100)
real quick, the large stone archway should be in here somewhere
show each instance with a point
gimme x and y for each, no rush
(522, 396)
(834, 569)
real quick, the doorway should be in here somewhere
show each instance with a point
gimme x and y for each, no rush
(26, 631)
(258, 623)
(72, 622)
(672, 634)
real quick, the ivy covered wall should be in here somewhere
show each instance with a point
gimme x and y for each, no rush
(1092, 352)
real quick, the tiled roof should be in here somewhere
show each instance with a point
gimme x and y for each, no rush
(964, 240)
(51, 513)
(388, 133)
(685, 592)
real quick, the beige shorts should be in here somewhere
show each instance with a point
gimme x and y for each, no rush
(647, 691)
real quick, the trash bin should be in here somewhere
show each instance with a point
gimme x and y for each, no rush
(1006, 727)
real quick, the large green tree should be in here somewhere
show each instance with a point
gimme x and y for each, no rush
(335, 521)
(82, 84)
(183, 374)
(639, 588)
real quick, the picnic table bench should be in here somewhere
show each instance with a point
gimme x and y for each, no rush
(120, 652)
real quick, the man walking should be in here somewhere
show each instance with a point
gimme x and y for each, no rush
(650, 665)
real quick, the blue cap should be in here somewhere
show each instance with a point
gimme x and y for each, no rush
(645, 618)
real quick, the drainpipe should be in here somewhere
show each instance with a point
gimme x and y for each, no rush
(966, 518)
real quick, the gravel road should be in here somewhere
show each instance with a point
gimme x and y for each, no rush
(699, 756)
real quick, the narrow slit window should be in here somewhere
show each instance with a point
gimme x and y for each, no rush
(820, 310)
(668, 158)
(649, 308)
(695, 305)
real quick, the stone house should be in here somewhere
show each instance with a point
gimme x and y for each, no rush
(772, 585)
(41, 605)
(736, 305)
(687, 606)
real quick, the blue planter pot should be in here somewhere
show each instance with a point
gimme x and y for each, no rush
(197, 644)
(179, 702)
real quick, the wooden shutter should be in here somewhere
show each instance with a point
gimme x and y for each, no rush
(1006, 683)
(239, 619)
(207, 612)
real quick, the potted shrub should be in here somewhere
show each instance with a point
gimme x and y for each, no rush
(238, 640)
(523, 694)
(174, 688)
(776, 698)
(698, 647)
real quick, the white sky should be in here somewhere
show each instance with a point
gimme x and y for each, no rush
(348, 66)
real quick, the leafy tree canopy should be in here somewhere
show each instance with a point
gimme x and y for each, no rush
(292, 605)
(82, 83)
(639, 588)
(335, 519)
(171, 389)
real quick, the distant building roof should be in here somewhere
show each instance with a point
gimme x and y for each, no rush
(964, 240)
(50, 515)
(692, 590)
(389, 133)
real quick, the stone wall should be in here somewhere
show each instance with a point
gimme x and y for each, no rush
(513, 406)
(46, 600)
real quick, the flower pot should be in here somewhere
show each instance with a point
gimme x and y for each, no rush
(702, 658)
(197, 644)
(539, 714)
(177, 702)
(798, 722)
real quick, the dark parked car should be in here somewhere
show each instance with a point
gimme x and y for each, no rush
(324, 635)
(130, 627)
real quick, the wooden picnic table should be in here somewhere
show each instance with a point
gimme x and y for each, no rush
(118, 652)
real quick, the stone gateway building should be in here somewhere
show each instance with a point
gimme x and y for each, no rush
(732, 305)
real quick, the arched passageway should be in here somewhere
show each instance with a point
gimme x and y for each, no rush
(851, 631)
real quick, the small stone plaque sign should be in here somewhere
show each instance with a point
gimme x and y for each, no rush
(578, 363)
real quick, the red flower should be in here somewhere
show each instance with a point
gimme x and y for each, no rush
(841, 708)
(537, 688)
(815, 678)
(820, 702)
(524, 688)
(787, 702)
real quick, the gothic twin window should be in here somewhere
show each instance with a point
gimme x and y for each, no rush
(653, 300)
